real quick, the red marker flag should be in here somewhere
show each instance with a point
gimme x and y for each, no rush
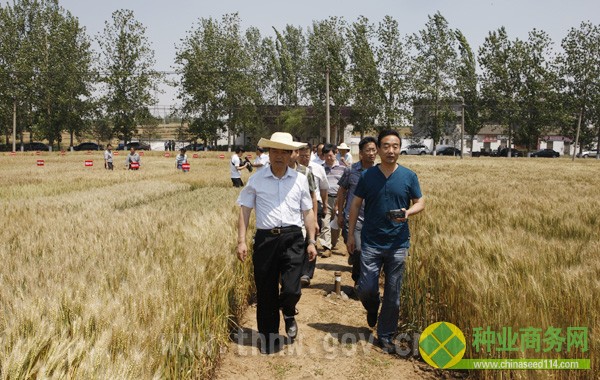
(167, 155)
(134, 166)
(37, 153)
(221, 156)
(195, 155)
(115, 153)
(141, 152)
(89, 163)
(185, 166)
(40, 162)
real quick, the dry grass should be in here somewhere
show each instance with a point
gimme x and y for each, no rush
(116, 274)
(508, 243)
(132, 274)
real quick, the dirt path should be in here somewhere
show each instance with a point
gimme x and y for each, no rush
(334, 340)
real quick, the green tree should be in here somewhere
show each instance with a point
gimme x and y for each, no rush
(327, 50)
(127, 73)
(580, 72)
(368, 96)
(466, 81)
(434, 78)
(393, 63)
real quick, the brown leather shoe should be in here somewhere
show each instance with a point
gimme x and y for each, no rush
(326, 253)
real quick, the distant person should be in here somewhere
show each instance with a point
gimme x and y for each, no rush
(237, 165)
(181, 159)
(281, 199)
(318, 158)
(108, 158)
(391, 194)
(166, 146)
(330, 231)
(133, 158)
(261, 159)
(321, 185)
(347, 185)
(343, 156)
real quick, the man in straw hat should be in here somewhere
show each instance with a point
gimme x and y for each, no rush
(281, 198)
(344, 156)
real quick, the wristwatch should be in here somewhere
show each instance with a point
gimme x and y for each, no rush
(311, 241)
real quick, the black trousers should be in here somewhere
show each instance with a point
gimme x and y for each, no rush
(277, 259)
(308, 267)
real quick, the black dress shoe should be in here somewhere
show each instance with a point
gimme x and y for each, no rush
(387, 345)
(291, 327)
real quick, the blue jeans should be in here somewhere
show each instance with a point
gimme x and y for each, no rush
(371, 261)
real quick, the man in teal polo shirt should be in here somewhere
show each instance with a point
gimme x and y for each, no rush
(391, 194)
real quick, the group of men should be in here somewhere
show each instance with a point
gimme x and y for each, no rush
(133, 160)
(370, 203)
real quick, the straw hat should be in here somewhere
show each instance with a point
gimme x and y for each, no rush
(343, 146)
(281, 140)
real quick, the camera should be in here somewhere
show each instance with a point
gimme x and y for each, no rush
(395, 214)
(248, 164)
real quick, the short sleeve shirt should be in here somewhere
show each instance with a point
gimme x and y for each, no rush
(278, 202)
(235, 162)
(381, 195)
(349, 181)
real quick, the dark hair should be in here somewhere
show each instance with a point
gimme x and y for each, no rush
(365, 141)
(182, 150)
(388, 132)
(109, 145)
(259, 149)
(239, 149)
(328, 148)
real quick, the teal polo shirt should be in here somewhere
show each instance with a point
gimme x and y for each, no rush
(382, 195)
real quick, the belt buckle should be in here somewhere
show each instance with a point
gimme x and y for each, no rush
(276, 231)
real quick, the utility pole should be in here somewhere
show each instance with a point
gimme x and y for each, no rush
(14, 136)
(577, 134)
(462, 128)
(327, 126)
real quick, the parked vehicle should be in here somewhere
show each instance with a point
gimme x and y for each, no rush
(545, 153)
(447, 151)
(137, 145)
(194, 147)
(88, 146)
(34, 146)
(417, 149)
(504, 153)
(588, 154)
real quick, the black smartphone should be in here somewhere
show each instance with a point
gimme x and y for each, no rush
(396, 214)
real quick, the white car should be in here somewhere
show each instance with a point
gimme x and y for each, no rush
(588, 154)
(416, 149)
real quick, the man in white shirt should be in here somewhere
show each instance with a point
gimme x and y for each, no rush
(108, 157)
(261, 159)
(319, 158)
(343, 156)
(322, 186)
(236, 167)
(281, 199)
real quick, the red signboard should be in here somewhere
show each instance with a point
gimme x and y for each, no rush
(89, 163)
(195, 155)
(62, 152)
(89, 152)
(115, 153)
(134, 166)
(13, 153)
(141, 152)
(37, 153)
(40, 162)
(185, 166)
(167, 155)
(221, 156)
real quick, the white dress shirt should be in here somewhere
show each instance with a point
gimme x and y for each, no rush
(235, 162)
(320, 178)
(277, 202)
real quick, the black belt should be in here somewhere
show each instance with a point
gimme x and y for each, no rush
(280, 230)
(331, 196)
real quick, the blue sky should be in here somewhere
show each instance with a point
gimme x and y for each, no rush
(168, 21)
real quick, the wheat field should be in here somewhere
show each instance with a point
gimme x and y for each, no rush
(132, 274)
